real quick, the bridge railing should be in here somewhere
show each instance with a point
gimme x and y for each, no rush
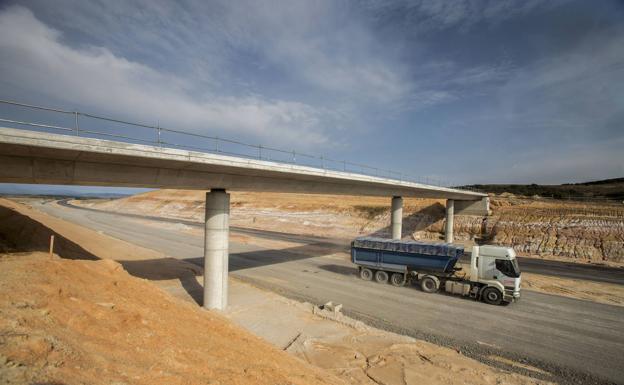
(20, 115)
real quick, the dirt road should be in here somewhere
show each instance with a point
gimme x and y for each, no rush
(581, 341)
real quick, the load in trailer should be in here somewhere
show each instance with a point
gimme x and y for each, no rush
(494, 275)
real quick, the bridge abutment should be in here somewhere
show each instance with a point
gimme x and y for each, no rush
(396, 220)
(216, 249)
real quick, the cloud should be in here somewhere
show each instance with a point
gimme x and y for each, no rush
(557, 119)
(321, 47)
(580, 162)
(575, 95)
(462, 14)
(36, 58)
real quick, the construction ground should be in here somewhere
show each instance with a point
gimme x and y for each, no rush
(106, 310)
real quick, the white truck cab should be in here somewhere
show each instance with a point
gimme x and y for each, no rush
(495, 269)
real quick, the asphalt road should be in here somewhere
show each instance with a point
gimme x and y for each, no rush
(578, 341)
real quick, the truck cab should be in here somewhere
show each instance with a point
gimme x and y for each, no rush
(496, 270)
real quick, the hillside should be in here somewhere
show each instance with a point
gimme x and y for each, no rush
(608, 189)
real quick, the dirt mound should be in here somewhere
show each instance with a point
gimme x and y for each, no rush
(90, 322)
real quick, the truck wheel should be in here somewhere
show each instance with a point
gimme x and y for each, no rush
(428, 285)
(398, 279)
(381, 276)
(492, 296)
(366, 274)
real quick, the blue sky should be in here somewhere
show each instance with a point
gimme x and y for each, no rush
(463, 91)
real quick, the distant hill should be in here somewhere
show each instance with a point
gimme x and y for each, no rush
(608, 189)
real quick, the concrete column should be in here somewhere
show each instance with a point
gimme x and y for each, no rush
(216, 251)
(397, 217)
(450, 211)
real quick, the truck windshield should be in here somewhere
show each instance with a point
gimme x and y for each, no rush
(507, 267)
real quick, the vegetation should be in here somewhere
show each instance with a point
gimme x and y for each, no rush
(608, 189)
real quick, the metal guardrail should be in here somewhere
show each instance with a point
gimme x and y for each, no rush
(218, 145)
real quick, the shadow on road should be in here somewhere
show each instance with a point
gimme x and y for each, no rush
(340, 269)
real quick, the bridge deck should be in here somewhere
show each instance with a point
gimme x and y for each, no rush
(44, 158)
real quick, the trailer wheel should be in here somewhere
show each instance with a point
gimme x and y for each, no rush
(366, 274)
(398, 279)
(428, 284)
(381, 276)
(492, 296)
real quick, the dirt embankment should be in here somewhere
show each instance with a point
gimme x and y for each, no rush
(88, 321)
(586, 232)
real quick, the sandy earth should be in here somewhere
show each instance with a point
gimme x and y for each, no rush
(91, 322)
(543, 228)
(80, 321)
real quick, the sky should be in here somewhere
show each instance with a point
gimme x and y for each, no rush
(462, 91)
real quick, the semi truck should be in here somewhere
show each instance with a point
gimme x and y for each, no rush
(493, 276)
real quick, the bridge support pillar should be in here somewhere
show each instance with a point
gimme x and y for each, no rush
(450, 212)
(216, 249)
(396, 220)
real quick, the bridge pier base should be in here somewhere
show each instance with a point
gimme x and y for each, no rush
(396, 220)
(216, 249)
(450, 212)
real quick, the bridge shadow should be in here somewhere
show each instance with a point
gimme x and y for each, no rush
(187, 270)
(417, 221)
(264, 257)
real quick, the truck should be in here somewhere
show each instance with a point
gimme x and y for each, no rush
(493, 276)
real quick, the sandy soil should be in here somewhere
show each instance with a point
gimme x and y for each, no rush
(374, 357)
(91, 322)
(610, 294)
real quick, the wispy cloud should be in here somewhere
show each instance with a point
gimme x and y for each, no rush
(463, 14)
(35, 58)
(575, 95)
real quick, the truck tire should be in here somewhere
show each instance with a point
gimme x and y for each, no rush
(429, 284)
(366, 274)
(398, 279)
(492, 296)
(381, 276)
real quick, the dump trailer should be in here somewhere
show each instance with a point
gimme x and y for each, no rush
(493, 276)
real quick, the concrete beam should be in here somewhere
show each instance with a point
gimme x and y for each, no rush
(396, 220)
(480, 207)
(216, 249)
(43, 158)
(450, 211)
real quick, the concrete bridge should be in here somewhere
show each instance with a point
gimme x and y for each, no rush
(44, 158)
